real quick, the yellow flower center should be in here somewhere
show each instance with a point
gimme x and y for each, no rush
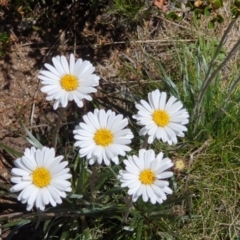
(103, 137)
(41, 177)
(147, 177)
(69, 82)
(161, 118)
(179, 165)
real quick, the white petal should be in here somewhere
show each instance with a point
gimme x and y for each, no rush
(71, 63)
(162, 100)
(33, 195)
(52, 69)
(19, 172)
(58, 66)
(65, 64)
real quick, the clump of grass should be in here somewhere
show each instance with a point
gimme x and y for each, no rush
(210, 88)
(4, 43)
(129, 13)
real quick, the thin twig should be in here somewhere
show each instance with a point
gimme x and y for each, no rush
(32, 127)
(205, 144)
(219, 47)
(163, 42)
(180, 26)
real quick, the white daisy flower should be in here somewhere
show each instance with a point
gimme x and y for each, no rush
(41, 178)
(144, 176)
(68, 81)
(161, 119)
(102, 137)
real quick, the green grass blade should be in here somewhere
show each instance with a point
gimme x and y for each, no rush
(31, 139)
(10, 150)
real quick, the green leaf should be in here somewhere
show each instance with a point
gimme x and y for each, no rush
(97, 210)
(190, 5)
(207, 12)
(177, 200)
(64, 234)
(113, 190)
(211, 24)
(10, 150)
(172, 87)
(173, 16)
(197, 13)
(46, 224)
(163, 215)
(237, 3)
(18, 222)
(139, 229)
(235, 12)
(219, 18)
(16, 229)
(76, 196)
(216, 3)
(31, 139)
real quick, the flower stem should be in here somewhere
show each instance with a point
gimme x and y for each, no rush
(58, 124)
(94, 179)
(128, 201)
(144, 144)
